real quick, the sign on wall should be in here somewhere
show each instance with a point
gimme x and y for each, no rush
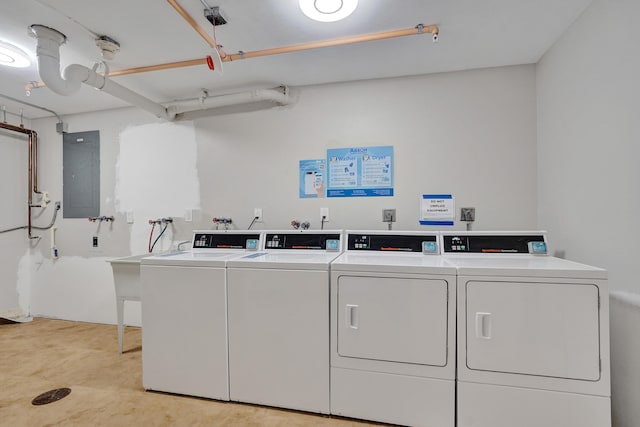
(437, 209)
(360, 172)
(312, 179)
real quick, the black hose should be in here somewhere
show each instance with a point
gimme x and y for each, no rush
(159, 236)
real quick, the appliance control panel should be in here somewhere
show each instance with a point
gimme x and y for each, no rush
(498, 244)
(303, 241)
(426, 244)
(204, 240)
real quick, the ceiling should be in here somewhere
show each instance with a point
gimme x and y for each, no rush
(473, 34)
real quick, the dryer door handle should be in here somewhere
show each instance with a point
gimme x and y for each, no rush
(352, 316)
(483, 325)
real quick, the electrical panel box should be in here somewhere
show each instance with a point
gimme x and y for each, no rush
(81, 174)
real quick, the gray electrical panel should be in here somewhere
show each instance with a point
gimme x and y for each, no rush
(81, 174)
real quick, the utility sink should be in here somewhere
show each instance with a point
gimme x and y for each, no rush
(126, 277)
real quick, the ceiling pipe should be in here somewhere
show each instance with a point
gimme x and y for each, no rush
(433, 29)
(419, 29)
(48, 54)
(185, 15)
(278, 97)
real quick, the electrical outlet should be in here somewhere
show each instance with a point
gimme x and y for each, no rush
(324, 214)
(388, 215)
(257, 214)
(188, 215)
(468, 214)
(129, 217)
(95, 241)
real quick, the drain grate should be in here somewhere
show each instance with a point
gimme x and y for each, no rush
(51, 396)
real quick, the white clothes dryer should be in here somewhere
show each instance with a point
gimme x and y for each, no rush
(279, 321)
(393, 329)
(184, 315)
(533, 334)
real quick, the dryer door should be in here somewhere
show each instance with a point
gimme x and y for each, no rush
(544, 329)
(393, 319)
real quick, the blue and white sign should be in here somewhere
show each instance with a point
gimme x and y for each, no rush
(360, 172)
(312, 179)
(437, 209)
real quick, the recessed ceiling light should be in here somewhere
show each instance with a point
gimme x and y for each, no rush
(328, 10)
(13, 56)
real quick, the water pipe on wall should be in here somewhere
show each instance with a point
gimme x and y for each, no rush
(152, 222)
(222, 220)
(32, 177)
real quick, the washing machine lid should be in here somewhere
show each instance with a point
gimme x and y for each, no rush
(510, 253)
(216, 258)
(527, 266)
(299, 250)
(392, 251)
(211, 248)
(393, 263)
(298, 260)
(133, 259)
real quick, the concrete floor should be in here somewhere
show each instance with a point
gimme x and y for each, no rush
(107, 386)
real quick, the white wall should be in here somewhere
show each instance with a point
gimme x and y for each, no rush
(471, 134)
(588, 148)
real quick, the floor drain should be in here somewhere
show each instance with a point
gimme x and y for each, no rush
(51, 396)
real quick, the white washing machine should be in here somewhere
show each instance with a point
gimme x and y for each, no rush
(279, 321)
(184, 315)
(393, 330)
(533, 334)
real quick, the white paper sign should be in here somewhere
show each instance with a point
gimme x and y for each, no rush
(437, 209)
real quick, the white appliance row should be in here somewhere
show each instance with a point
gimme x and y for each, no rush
(243, 316)
(287, 319)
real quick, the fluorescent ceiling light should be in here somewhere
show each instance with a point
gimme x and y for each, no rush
(328, 10)
(12, 56)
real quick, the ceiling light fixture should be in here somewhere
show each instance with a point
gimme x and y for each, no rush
(13, 56)
(328, 10)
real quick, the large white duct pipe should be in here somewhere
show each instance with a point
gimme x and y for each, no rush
(278, 96)
(48, 53)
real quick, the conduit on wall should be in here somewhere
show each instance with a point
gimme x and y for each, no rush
(48, 54)
(60, 126)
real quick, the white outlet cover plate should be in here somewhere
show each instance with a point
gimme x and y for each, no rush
(324, 212)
